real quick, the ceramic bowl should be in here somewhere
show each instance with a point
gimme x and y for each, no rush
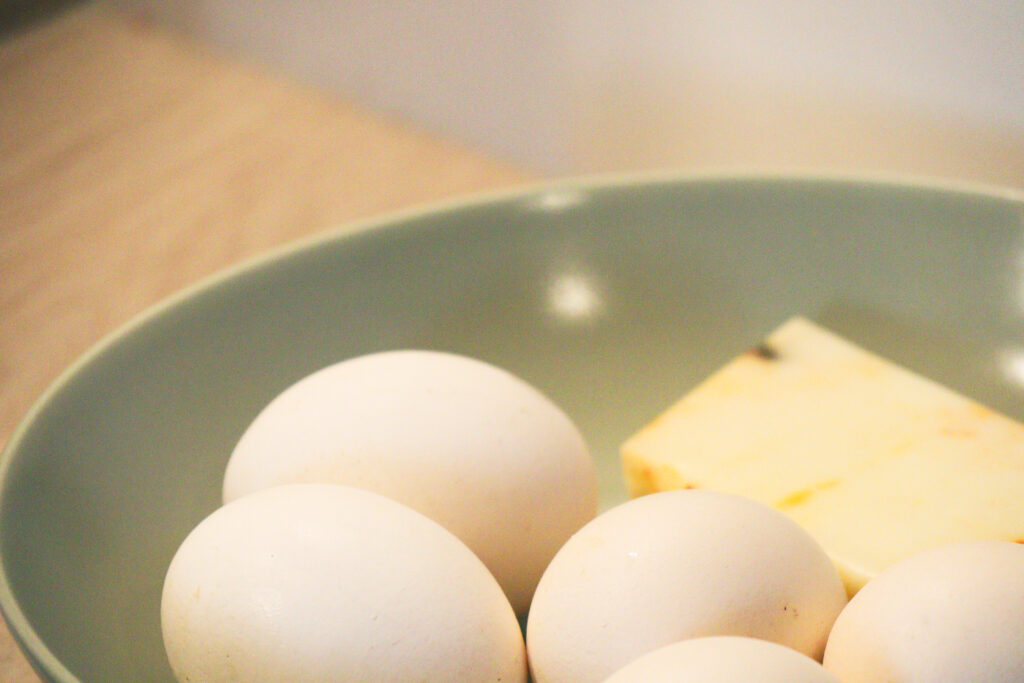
(613, 296)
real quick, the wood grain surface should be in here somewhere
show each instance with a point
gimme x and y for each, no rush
(133, 163)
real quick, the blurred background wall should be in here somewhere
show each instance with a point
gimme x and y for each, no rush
(928, 87)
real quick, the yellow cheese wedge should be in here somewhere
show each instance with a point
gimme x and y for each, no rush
(875, 461)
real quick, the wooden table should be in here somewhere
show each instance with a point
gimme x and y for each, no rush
(133, 163)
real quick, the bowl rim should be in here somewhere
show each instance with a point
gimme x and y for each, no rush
(39, 655)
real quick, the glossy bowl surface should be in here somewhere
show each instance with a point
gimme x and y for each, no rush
(612, 295)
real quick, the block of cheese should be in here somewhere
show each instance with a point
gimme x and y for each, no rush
(876, 462)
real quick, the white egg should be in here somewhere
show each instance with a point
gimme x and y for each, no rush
(318, 582)
(953, 614)
(723, 659)
(465, 443)
(678, 565)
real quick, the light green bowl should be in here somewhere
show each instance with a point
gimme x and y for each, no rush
(612, 296)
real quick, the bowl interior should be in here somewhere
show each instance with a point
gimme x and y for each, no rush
(612, 298)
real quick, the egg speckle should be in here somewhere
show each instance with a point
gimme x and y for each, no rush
(466, 443)
(723, 659)
(954, 613)
(673, 566)
(314, 582)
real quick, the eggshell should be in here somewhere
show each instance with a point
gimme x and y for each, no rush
(316, 582)
(954, 614)
(723, 659)
(465, 443)
(677, 565)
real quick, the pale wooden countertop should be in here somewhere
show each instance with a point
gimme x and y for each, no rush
(133, 163)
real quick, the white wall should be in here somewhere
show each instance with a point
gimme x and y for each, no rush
(568, 86)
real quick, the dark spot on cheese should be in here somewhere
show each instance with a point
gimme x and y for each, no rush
(796, 498)
(803, 495)
(1019, 540)
(642, 482)
(958, 431)
(764, 352)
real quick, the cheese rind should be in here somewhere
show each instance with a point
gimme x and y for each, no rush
(876, 462)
